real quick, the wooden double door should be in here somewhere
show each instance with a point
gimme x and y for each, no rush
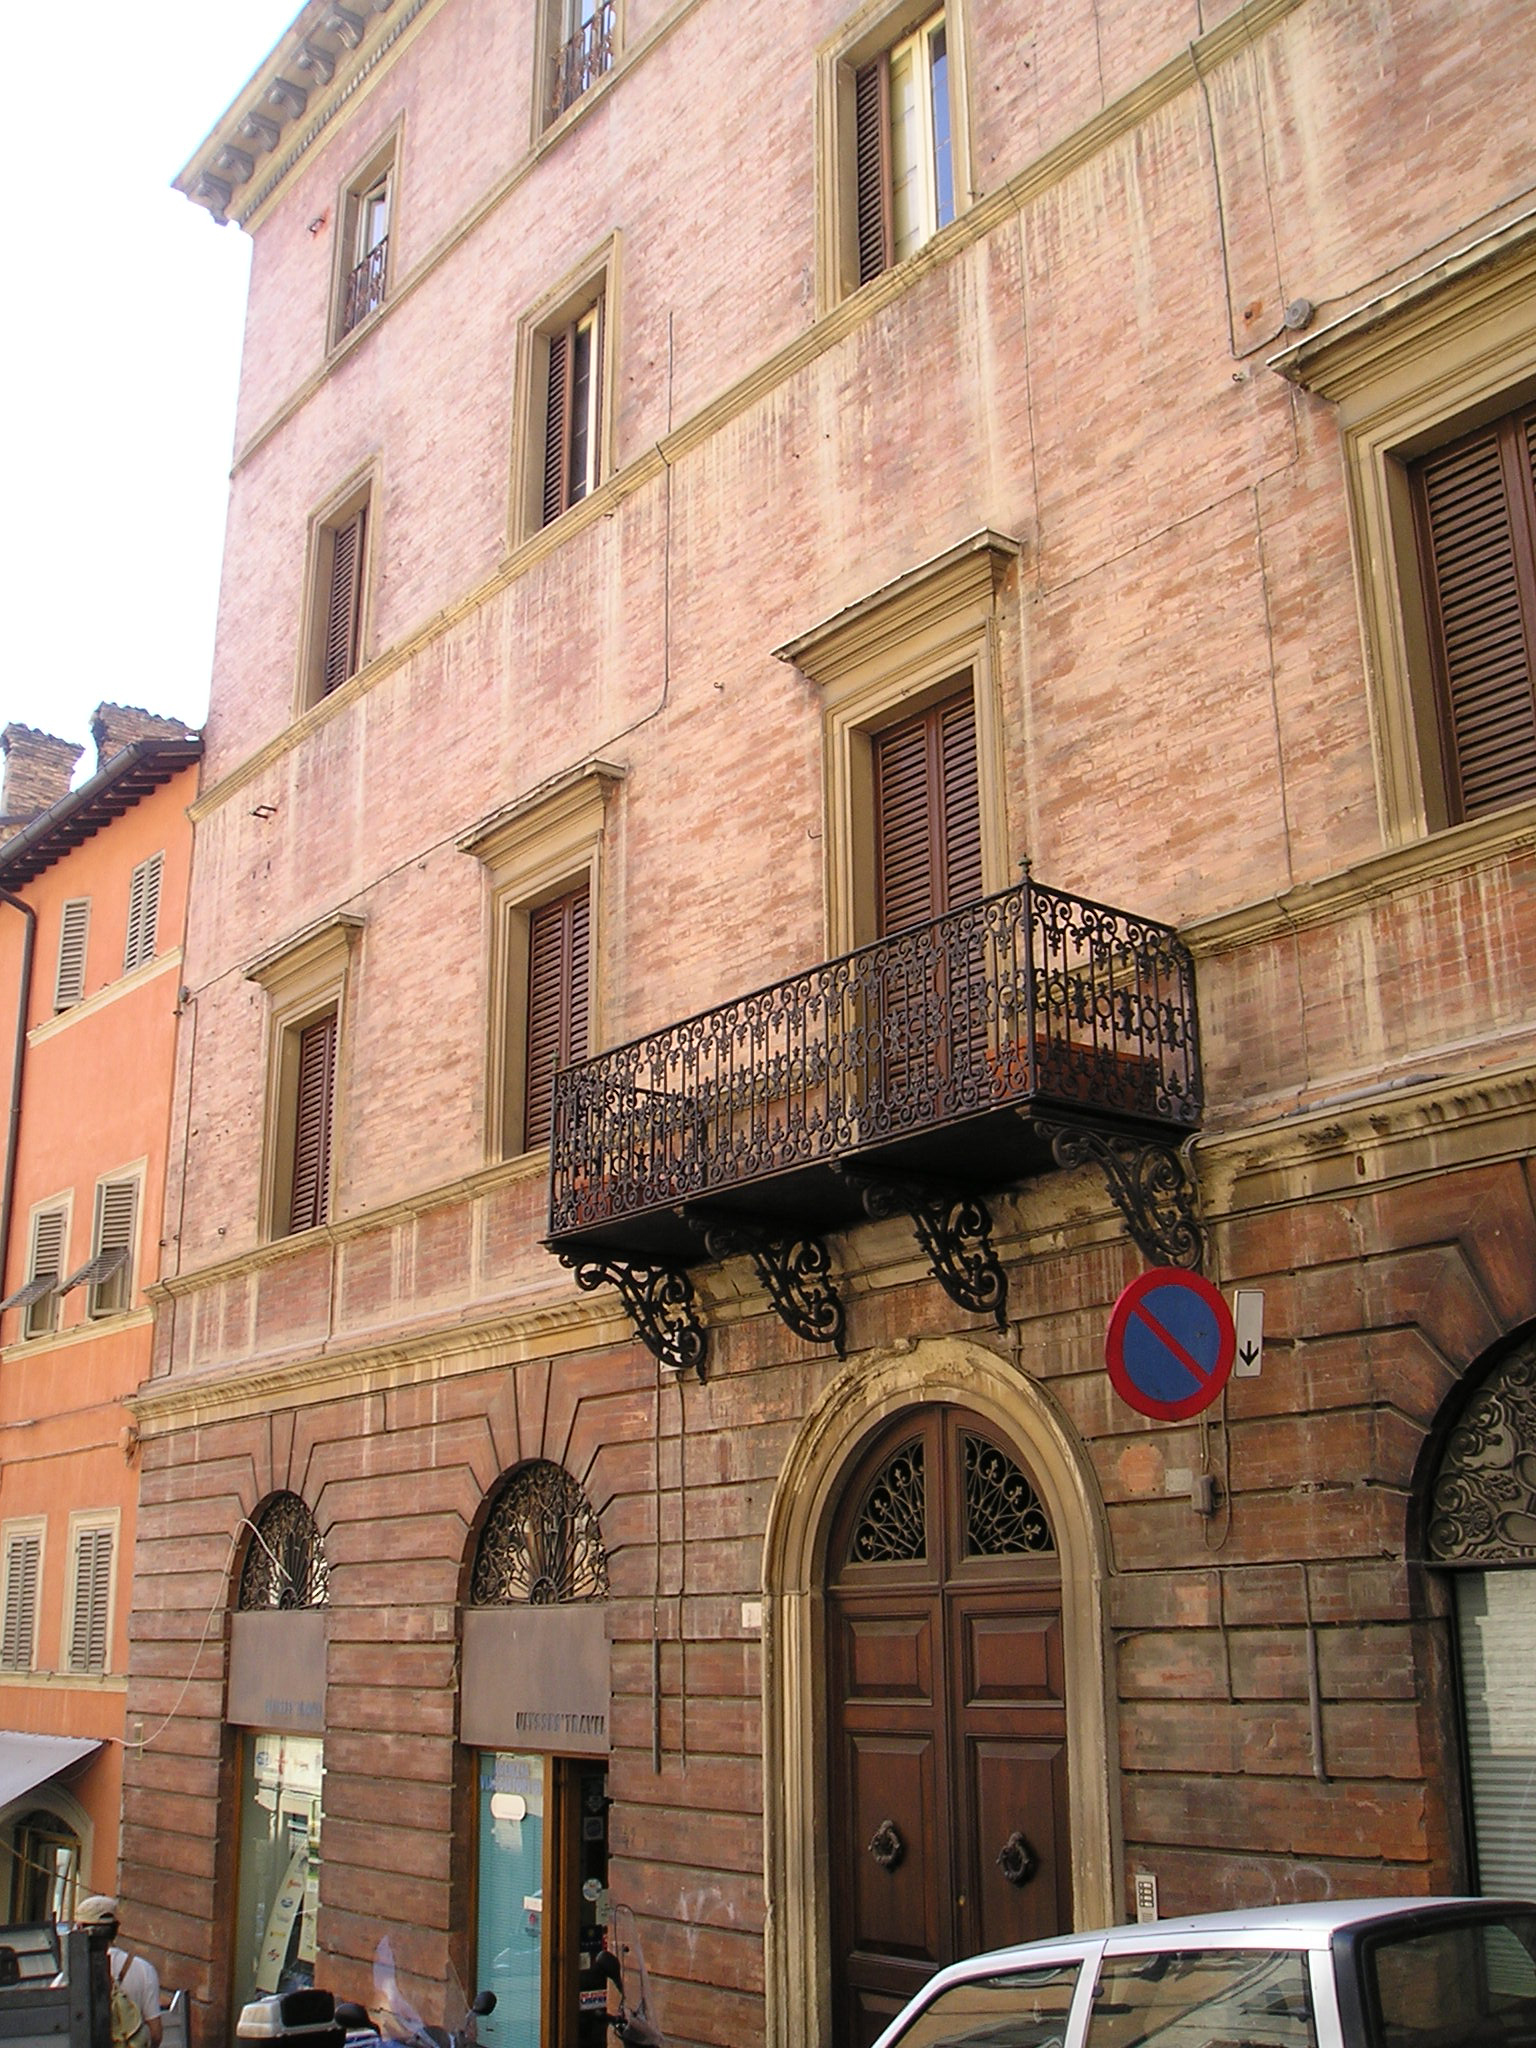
(948, 1714)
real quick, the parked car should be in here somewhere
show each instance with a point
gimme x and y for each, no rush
(1353, 1973)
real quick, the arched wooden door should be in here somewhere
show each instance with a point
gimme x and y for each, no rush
(947, 1714)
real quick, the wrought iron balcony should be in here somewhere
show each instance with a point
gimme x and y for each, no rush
(581, 59)
(364, 293)
(917, 1074)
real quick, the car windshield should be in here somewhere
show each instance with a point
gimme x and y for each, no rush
(1022, 2009)
(1203, 1998)
(1468, 1984)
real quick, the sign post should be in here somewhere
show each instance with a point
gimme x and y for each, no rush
(1170, 1344)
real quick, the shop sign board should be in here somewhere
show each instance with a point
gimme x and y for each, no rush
(1170, 1344)
(537, 1678)
(277, 1670)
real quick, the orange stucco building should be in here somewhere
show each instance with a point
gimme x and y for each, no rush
(93, 890)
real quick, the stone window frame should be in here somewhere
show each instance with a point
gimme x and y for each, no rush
(874, 28)
(897, 651)
(533, 851)
(594, 280)
(545, 122)
(61, 1204)
(1409, 372)
(305, 979)
(382, 163)
(85, 1521)
(361, 491)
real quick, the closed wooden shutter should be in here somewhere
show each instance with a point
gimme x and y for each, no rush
(143, 913)
(69, 982)
(558, 1001)
(557, 426)
(872, 166)
(927, 815)
(1476, 504)
(344, 602)
(46, 1263)
(18, 1631)
(309, 1202)
(116, 1207)
(93, 1600)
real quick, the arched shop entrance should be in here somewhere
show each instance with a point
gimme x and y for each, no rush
(1482, 1528)
(947, 1705)
(534, 1708)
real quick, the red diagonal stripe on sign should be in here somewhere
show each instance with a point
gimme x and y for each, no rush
(1167, 1337)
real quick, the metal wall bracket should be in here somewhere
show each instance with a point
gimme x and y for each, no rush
(1148, 1182)
(661, 1305)
(795, 1272)
(954, 1230)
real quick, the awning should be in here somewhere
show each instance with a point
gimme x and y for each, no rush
(95, 1270)
(28, 1760)
(33, 1290)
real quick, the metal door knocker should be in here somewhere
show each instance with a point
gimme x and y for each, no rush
(1016, 1860)
(886, 1845)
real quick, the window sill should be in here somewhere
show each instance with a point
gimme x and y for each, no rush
(70, 1681)
(125, 985)
(77, 1333)
(556, 130)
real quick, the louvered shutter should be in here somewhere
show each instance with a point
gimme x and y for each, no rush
(1477, 511)
(74, 927)
(872, 166)
(46, 1263)
(309, 1201)
(116, 1208)
(558, 1001)
(344, 602)
(557, 425)
(143, 913)
(17, 1633)
(93, 1597)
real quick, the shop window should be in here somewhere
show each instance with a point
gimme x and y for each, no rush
(1482, 1526)
(23, 1543)
(45, 1869)
(39, 1294)
(143, 912)
(277, 1883)
(895, 141)
(69, 977)
(565, 355)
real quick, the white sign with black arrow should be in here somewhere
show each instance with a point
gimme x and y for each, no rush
(1248, 1316)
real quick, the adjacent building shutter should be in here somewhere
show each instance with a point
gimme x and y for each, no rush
(344, 602)
(116, 1206)
(872, 166)
(46, 1263)
(69, 982)
(17, 1633)
(927, 815)
(309, 1202)
(143, 913)
(558, 1001)
(93, 1599)
(557, 425)
(1477, 522)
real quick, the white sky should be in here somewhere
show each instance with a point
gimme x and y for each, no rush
(119, 353)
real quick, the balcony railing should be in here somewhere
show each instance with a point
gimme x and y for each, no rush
(364, 292)
(916, 1054)
(581, 60)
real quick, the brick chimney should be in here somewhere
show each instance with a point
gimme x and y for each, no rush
(115, 726)
(37, 771)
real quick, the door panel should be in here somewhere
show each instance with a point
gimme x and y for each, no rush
(1011, 1657)
(1014, 1789)
(894, 1786)
(890, 1656)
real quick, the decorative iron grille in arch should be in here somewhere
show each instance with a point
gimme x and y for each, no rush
(541, 1544)
(285, 1565)
(1483, 1502)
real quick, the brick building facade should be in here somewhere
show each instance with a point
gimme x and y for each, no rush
(678, 539)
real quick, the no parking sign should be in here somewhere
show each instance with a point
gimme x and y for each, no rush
(1170, 1344)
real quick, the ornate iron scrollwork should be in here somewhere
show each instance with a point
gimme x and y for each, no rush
(1003, 1515)
(795, 1273)
(1483, 1504)
(661, 1305)
(892, 1524)
(541, 1544)
(286, 1564)
(1148, 1183)
(886, 1845)
(1017, 1861)
(954, 1230)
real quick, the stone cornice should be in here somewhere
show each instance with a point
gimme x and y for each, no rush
(572, 793)
(969, 571)
(1463, 849)
(319, 946)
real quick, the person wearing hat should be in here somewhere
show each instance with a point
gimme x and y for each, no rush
(131, 1974)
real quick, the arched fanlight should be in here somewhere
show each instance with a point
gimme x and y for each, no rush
(541, 1544)
(1483, 1500)
(285, 1565)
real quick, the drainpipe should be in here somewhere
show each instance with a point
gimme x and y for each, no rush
(18, 1062)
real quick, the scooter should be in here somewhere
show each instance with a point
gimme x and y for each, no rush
(632, 2023)
(393, 2018)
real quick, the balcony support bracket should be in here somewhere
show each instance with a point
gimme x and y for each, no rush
(795, 1271)
(1149, 1182)
(660, 1302)
(954, 1229)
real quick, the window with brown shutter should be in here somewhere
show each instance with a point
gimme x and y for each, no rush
(343, 601)
(903, 170)
(74, 927)
(927, 815)
(309, 1197)
(571, 412)
(558, 1003)
(1475, 503)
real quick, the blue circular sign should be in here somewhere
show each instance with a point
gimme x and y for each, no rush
(1170, 1344)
